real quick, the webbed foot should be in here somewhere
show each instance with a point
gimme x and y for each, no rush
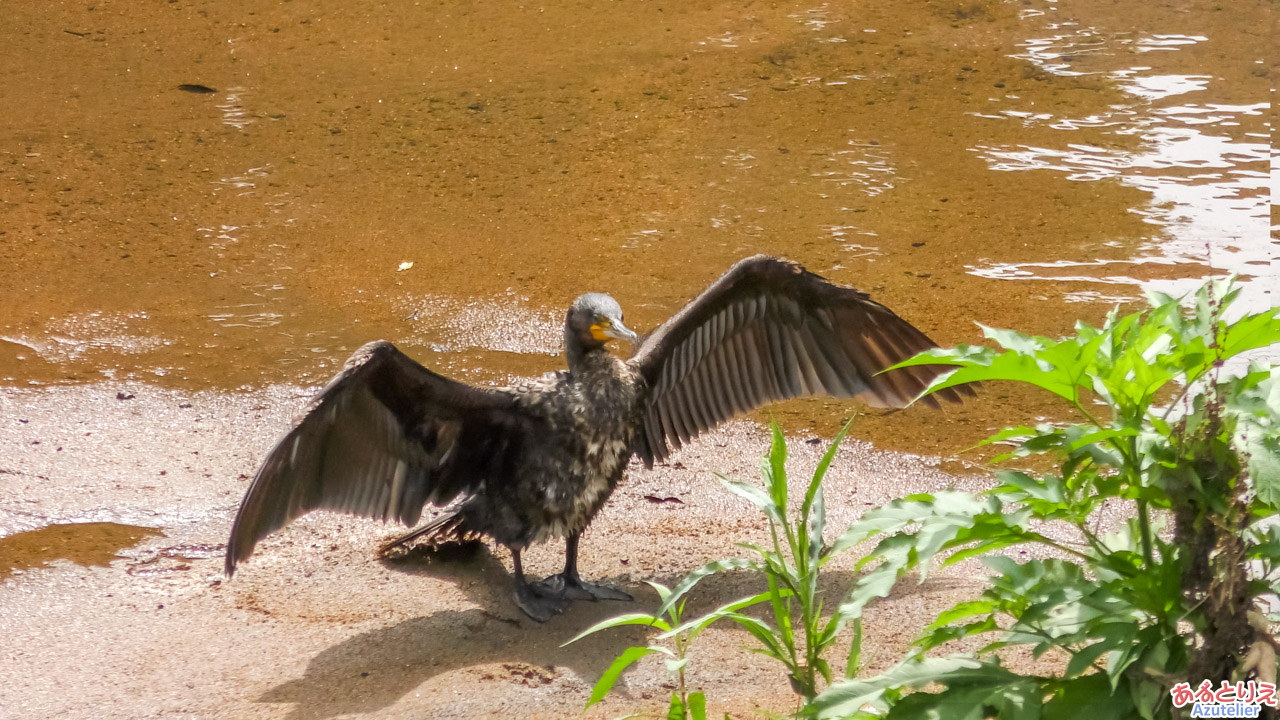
(537, 605)
(575, 588)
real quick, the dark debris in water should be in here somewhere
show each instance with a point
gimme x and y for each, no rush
(659, 499)
(197, 89)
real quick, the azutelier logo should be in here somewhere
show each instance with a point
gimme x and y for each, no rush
(1230, 700)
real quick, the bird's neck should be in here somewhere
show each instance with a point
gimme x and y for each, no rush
(587, 360)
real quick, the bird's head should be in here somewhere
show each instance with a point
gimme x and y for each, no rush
(593, 320)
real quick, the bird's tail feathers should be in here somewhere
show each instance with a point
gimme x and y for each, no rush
(448, 528)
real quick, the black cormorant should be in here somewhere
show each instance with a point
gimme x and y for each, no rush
(538, 459)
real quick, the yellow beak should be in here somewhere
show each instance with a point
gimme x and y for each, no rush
(606, 329)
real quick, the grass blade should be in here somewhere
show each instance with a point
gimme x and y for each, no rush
(610, 676)
(619, 621)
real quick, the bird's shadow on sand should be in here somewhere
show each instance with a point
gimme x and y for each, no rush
(374, 669)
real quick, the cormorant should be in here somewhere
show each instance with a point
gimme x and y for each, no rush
(538, 459)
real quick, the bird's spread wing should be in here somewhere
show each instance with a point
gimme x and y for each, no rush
(769, 330)
(382, 439)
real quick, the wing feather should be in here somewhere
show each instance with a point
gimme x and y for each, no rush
(732, 381)
(381, 440)
(777, 363)
(680, 416)
(697, 388)
(766, 331)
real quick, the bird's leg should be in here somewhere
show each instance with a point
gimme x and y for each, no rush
(532, 600)
(571, 587)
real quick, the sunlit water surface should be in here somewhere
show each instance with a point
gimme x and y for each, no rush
(212, 195)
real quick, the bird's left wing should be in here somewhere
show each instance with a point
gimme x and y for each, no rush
(382, 439)
(769, 330)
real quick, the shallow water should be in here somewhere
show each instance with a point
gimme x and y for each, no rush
(1019, 164)
(85, 544)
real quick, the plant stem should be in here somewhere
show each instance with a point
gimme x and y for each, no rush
(1144, 529)
(811, 650)
(684, 690)
(1144, 513)
(1045, 540)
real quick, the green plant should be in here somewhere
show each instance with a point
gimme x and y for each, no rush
(1131, 611)
(797, 636)
(684, 704)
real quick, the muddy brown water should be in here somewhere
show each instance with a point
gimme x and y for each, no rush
(204, 207)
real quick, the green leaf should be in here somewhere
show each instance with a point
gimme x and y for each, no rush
(1019, 433)
(1102, 435)
(697, 706)
(619, 621)
(758, 497)
(1016, 341)
(813, 513)
(1147, 696)
(697, 625)
(828, 457)
(782, 615)
(961, 611)
(984, 365)
(984, 548)
(989, 691)
(1033, 488)
(676, 711)
(823, 668)
(1114, 636)
(663, 591)
(1250, 332)
(816, 514)
(1262, 448)
(778, 468)
(1089, 698)
(876, 584)
(948, 633)
(848, 696)
(693, 578)
(765, 634)
(675, 665)
(854, 663)
(888, 518)
(610, 676)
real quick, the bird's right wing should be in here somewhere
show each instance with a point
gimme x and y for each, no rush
(382, 439)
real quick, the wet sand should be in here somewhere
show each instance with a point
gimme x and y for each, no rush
(135, 619)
